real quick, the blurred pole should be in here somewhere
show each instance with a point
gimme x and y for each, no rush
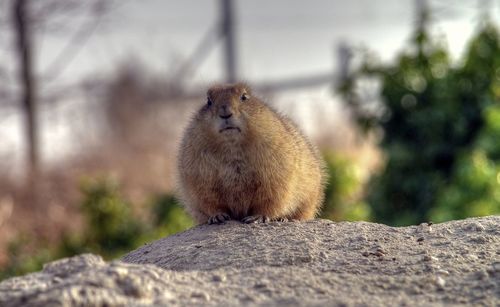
(422, 13)
(228, 32)
(421, 35)
(23, 32)
(484, 8)
(344, 56)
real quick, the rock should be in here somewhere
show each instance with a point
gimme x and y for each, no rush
(474, 226)
(87, 280)
(429, 258)
(310, 263)
(440, 282)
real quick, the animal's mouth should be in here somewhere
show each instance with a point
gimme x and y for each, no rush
(230, 128)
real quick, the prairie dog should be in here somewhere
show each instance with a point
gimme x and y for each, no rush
(239, 159)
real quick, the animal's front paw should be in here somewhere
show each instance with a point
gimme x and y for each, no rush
(219, 218)
(256, 219)
(280, 219)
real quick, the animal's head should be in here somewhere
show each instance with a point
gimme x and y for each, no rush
(227, 110)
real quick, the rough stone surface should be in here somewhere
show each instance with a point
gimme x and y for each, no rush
(316, 263)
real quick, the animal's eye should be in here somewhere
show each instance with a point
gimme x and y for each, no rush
(244, 97)
(209, 102)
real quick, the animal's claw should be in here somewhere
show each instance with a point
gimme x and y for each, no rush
(219, 218)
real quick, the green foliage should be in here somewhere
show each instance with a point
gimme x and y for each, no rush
(439, 137)
(343, 191)
(111, 228)
(474, 188)
(168, 216)
(22, 263)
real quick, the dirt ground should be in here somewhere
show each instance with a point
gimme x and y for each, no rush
(314, 263)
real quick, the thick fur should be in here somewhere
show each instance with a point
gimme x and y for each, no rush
(265, 166)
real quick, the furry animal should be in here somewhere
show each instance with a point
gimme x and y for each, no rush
(239, 159)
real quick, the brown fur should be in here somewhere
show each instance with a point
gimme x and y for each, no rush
(266, 168)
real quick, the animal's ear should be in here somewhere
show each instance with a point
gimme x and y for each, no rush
(244, 87)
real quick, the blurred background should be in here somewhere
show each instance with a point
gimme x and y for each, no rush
(402, 97)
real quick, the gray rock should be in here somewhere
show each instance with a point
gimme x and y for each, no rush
(314, 263)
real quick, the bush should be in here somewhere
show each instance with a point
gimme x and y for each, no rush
(439, 126)
(110, 228)
(474, 188)
(343, 191)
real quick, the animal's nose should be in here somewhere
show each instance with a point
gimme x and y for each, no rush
(226, 116)
(226, 112)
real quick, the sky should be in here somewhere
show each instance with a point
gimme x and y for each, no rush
(276, 40)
